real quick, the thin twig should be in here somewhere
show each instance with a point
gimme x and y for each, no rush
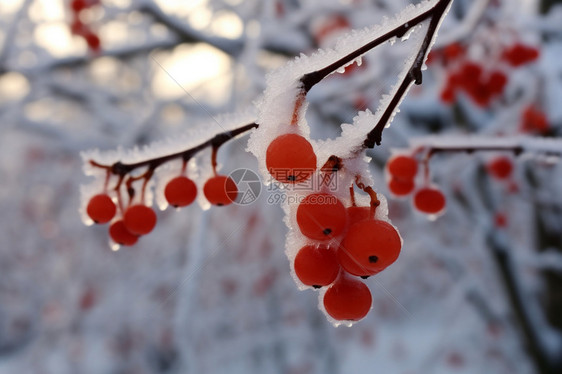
(120, 168)
(414, 75)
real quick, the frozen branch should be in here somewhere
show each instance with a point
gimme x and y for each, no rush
(232, 47)
(10, 35)
(467, 26)
(434, 14)
(215, 142)
(547, 362)
(517, 145)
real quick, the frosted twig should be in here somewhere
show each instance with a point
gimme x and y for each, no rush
(232, 47)
(434, 14)
(414, 75)
(466, 26)
(532, 328)
(216, 141)
(10, 35)
(516, 145)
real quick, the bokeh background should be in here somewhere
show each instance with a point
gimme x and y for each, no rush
(210, 291)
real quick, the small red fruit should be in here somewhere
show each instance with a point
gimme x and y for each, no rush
(520, 54)
(220, 190)
(403, 167)
(290, 158)
(121, 235)
(496, 82)
(453, 51)
(180, 191)
(93, 41)
(325, 27)
(78, 28)
(348, 300)
(358, 213)
(78, 5)
(400, 187)
(316, 266)
(321, 216)
(448, 95)
(429, 200)
(500, 167)
(500, 220)
(101, 208)
(139, 219)
(369, 247)
(534, 120)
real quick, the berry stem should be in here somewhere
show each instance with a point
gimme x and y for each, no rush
(352, 195)
(425, 164)
(106, 182)
(117, 189)
(297, 109)
(183, 167)
(375, 202)
(214, 160)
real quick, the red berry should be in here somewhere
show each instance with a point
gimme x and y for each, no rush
(93, 41)
(121, 235)
(448, 95)
(500, 220)
(348, 300)
(180, 191)
(432, 56)
(220, 190)
(429, 200)
(290, 159)
(500, 167)
(139, 219)
(78, 5)
(352, 265)
(330, 25)
(401, 187)
(496, 82)
(358, 213)
(520, 54)
(77, 27)
(369, 247)
(101, 208)
(534, 120)
(316, 266)
(88, 299)
(453, 51)
(403, 167)
(321, 216)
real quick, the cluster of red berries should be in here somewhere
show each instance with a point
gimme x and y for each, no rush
(341, 242)
(482, 87)
(520, 54)
(78, 27)
(479, 84)
(140, 219)
(402, 171)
